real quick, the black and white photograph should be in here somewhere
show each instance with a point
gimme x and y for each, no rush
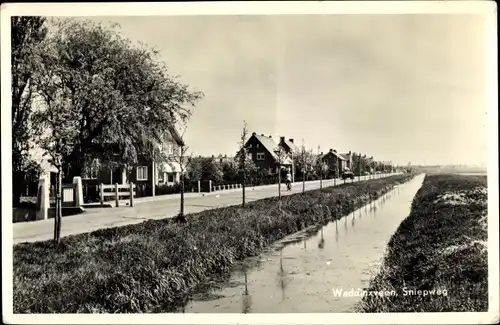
(250, 162)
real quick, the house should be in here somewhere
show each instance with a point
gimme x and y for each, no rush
(347, 158)
(336, 161)
(145, 172)
(220, 160)
(262, 150)
(292, 150)
(369, 164)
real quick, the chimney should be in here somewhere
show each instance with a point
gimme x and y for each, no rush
(331, 150)
(262, 134)
(225, 156)
(282, 139)
(253, 133)
(212, 156)
(270, 137)
(291, 140)
(335, 150)
(321, 153)
(349, 152)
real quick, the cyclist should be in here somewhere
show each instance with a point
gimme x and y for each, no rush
(288, 181)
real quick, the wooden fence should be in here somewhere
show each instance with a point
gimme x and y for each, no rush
(117, 191)
(225, 187)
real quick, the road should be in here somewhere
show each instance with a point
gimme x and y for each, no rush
(159, 208)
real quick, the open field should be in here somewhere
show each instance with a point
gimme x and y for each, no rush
(440, 249)
(156, 265)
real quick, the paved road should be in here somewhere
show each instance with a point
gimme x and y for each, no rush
(94, 219)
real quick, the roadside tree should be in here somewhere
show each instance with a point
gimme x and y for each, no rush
(26, 35)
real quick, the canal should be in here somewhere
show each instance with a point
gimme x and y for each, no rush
(305, 272)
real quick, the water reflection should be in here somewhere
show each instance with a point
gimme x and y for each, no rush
(306, 285)
(321, 244)
(247, 298)
(337, 233)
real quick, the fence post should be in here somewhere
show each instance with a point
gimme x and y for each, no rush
(116, 195)
(42, 199)
(101, 192)
(209, 185)
(78, 190)
(131, 194)
(199, 186)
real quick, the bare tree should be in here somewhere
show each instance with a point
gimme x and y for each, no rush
(242, 159)
(305, 160)
(281, 158)
(184, 163)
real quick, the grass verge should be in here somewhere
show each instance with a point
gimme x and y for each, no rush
(437, 260)
(156, 265)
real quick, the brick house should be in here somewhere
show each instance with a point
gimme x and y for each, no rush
(333, 160)
(262, 150)
(145, 172)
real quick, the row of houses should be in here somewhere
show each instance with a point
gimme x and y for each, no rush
(261, 149)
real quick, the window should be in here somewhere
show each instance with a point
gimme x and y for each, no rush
(260, 156)
(249, 156)
(171, 177)
(257, 145)
(142, 173)
(250, 146)
(168, 148)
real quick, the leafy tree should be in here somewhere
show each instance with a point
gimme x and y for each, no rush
(26, 34)
(210, 170)
(305, 162)
(229, 171)
(112, 97)
(195, 169)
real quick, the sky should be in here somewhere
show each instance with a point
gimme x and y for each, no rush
(401, 88)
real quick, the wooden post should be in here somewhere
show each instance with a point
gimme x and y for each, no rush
(116, 195)
(199, 186)
(131, 194)
(101, 192)
(209, 185)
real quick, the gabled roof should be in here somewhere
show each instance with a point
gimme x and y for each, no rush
(344, 156)
(270, 145)
(291, 145)
(338, 155)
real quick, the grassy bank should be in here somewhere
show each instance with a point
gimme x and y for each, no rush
(439, 249)
(154, 266)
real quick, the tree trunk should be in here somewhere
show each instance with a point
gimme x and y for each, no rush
(279, 181)
(182, 195)
(243, 187)
(321, 180)
(304, 182)
(58, 215)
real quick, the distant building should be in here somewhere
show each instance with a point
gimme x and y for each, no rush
(336, 161)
